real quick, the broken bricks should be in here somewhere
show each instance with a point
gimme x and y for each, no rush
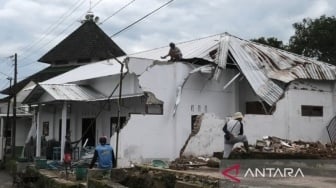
(278, 145)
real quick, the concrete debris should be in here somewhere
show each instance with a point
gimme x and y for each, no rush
(275, 145)
(184, 163)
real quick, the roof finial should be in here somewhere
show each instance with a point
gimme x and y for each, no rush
(90, 16)
(90, 6)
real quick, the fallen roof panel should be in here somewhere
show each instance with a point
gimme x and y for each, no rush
(262, 64)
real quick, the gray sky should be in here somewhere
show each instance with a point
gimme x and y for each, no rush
(30, 28)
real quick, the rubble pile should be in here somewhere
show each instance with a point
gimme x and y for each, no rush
(184, 163)
(271, 144)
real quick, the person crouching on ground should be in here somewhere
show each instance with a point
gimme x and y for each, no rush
(234, 133)
(104, 154)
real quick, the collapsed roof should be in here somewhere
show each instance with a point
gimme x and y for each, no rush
(263, 66)
(267, 69)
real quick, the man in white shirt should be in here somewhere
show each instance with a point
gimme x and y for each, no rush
(234, 133)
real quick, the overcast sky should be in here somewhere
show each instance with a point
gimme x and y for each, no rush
(30, 28)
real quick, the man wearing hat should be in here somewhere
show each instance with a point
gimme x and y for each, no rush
(104, 154)
(234, 133)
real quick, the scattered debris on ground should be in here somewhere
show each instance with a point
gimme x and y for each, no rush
(184, 163)
(272, 144)
(269, 147)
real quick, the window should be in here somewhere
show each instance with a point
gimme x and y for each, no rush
(256, 107)
(45, 130)
(193, 120)
(311, 110)
(154, 109)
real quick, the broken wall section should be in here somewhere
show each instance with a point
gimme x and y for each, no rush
(209, 139)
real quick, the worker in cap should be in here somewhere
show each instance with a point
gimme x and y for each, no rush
(104, 155)
(234, 133)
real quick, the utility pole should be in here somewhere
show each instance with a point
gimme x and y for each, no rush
(7, 118)
(119, 109)
(14, 107)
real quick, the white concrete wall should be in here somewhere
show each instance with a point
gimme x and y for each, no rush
(162, 136)
(209, 139)
(287, 121)
(22, 128)
(52, 113)
(107, 84)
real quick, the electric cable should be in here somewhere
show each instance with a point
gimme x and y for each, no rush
(53, 27)
(59, 34)
(122, 8)
(142, 18)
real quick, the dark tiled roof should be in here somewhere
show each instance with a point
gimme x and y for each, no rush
(40, 76)
(85, 43)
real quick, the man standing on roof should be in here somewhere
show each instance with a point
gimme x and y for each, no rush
(104, 154)
(234, 133)
(174, 53)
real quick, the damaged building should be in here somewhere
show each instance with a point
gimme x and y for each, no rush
(158, 104)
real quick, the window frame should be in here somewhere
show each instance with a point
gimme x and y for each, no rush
(311, 111)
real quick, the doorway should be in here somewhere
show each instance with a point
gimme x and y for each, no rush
(89, 131)
(60, 129)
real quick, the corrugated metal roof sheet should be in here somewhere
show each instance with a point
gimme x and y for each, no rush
(72, 92)
(86, 72)
(190, 49)
(260, 64)
(69, 92)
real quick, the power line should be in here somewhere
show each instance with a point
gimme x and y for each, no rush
(96, 4)
(122, 8)
(60, 20)
(137, 21)
(4, 74)
(58, 35)
(52, 26)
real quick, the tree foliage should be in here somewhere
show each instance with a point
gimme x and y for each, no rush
(271, 41)
(315, 38)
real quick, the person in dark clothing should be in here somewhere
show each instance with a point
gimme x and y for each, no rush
(234, 133)
(104, 154)
(174, 53)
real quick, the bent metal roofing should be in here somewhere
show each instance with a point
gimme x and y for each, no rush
(260, 64)
(263, 66)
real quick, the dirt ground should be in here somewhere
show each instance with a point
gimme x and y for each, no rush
(5, 179)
